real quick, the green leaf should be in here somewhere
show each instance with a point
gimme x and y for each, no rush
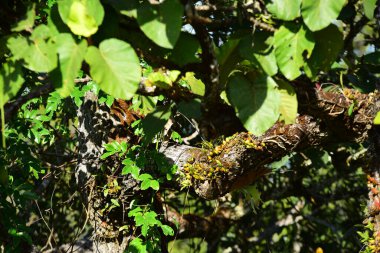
(109, 65)
(11, 81)
(115, 202)
(71, 56)
(137, 246)
(256, 101)
(328, 44)
(376, 121)
(82, 16)
(154, 122)
(292, 43)
(168, 231)
(19, 46)
(145, 176)
(369, 8)
(285, 9)
(258, 50)
(196, 85)
(318, 14)
(289, 103)
(185, 50)
(41, 55)
(161, 23)
(28, 22)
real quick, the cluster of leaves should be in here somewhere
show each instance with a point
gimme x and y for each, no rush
(111, 41)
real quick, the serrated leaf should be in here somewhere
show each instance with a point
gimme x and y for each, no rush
(83, 17)
(318, 14)
(115, 67)
(292, 45)
(289, 104)
(376, 120)
(28, 22)
(71, 56)
(285, 9)
(328, 45)
(161, 23)
(256, 101)
(137, 246)
(168, 231)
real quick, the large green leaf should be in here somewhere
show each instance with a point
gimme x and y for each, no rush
(256, 101)
(11, 81)
(258, 50)
(292, 45)
(26, 23)
(318, 14)
(115, 67)
(161, 23)
(328, 44)
(289, 103)
(71, 56)
(285, 9)
(82, 16)
(38, 52)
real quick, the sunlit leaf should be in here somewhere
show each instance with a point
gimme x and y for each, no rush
(71, 56)
(293, 45)
(318, 14)
(115, 67)
(285, 9)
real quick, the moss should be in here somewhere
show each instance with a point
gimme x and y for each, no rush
(210, 164)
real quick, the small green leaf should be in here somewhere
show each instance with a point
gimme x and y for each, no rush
(28, 22)
(376, 121)
(196, 85)
(137, 246)
(369, 8)
(161, 23)
(292, 45)
(285, 9)
(115, 202)
(145, 176)
(108, 66)
(168, 231)
(256, 101)
(318, 14)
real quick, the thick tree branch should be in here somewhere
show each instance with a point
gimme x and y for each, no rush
(243, 157)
